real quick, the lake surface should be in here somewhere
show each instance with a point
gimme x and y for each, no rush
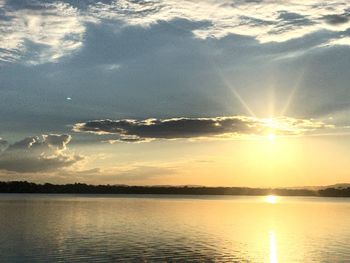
(100, 228)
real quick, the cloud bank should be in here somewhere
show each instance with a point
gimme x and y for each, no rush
(45, 31)
(37, 154)
(130, 130)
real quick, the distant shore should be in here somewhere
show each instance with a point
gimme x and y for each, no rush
(79, 188)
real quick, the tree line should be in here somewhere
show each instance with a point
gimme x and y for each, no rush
(80, 188)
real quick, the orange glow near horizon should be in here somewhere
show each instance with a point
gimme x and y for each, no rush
(286, 161)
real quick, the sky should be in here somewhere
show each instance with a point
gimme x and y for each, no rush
(218, 93)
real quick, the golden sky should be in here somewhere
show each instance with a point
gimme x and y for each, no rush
(229, 93)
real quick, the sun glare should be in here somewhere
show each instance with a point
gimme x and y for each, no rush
(272, 199)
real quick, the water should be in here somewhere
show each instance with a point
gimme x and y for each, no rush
(99, 228)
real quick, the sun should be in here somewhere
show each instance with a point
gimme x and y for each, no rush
(271, 136)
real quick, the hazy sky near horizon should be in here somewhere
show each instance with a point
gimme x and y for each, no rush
(240, 92)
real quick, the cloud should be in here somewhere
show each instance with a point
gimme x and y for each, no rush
(45, 31)
(40, 32)
(38, 154)
(129, 130)
(3, 145)
(110, 67)
(336, 19)
(341, 41)
(144, 172)
(139, 172)
(266, 21)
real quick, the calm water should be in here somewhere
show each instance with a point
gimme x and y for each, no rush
(67, 228)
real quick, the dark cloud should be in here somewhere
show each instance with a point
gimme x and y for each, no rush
(135, 130)
(295, 19)
(139, 130)
(336, 19)
(37, 154)
(59, 141)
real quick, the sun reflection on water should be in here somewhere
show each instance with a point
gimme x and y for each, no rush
(272, 199)
(273, 247)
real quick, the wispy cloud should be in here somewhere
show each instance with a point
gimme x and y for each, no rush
(267, 21)
(110, 67)
(41, 31)
(52, 30)
(130, 130)
(38, 154)
(141, 172)
(340, 41)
